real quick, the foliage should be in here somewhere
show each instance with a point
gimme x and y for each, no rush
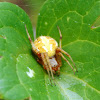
(82, 41)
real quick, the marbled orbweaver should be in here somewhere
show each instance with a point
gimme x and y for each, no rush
(49, 53)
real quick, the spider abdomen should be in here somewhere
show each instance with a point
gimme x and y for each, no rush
(46, 44)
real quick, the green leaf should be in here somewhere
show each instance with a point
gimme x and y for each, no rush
(75, 19)
(15, 53)
(22, 77)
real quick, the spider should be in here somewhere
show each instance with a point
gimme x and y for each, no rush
(49, 53)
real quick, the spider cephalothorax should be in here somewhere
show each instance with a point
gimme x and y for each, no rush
(49, 54)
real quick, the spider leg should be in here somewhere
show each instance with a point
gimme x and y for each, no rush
(60, 41)
(60, 46)
(68, 56)
(50, 67)
(58, 58)
(28, 35)
(66, 61)
(58, 71)
(46, 65)
(33, 47)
